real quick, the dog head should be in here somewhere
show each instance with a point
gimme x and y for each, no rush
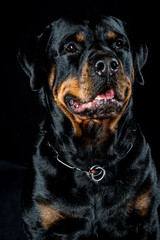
(89, 67)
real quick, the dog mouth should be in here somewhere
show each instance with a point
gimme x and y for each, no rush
(105, 104)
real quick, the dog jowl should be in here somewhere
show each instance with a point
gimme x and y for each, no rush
(93, 175)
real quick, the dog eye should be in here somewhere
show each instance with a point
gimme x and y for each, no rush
(71, 47)
(119, 43)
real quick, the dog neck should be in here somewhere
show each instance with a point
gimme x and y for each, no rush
(96, 172)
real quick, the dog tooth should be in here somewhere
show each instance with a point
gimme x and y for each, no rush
(101, 102)
(98, 98)
(71, 102)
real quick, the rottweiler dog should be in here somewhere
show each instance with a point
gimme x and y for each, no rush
(92, 175)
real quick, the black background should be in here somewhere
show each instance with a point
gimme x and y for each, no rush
(20, 112)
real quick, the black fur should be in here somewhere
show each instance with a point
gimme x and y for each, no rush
(61, 202)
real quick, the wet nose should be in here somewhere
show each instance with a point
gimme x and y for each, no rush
(106, 65)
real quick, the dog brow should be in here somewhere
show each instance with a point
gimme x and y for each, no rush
(111, 35)
(79, 37)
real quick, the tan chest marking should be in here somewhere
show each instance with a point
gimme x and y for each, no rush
(141, 202)
(49, 215)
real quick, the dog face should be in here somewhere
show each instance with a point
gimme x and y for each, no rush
(89, 66)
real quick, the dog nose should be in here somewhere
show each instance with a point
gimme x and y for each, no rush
(106, 65)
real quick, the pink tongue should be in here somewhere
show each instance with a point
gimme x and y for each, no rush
(109, 94)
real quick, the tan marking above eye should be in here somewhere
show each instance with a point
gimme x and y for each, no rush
(111, 35)
(79, 37)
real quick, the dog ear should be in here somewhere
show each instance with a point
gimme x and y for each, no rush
(32, 59)
(141, 54)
